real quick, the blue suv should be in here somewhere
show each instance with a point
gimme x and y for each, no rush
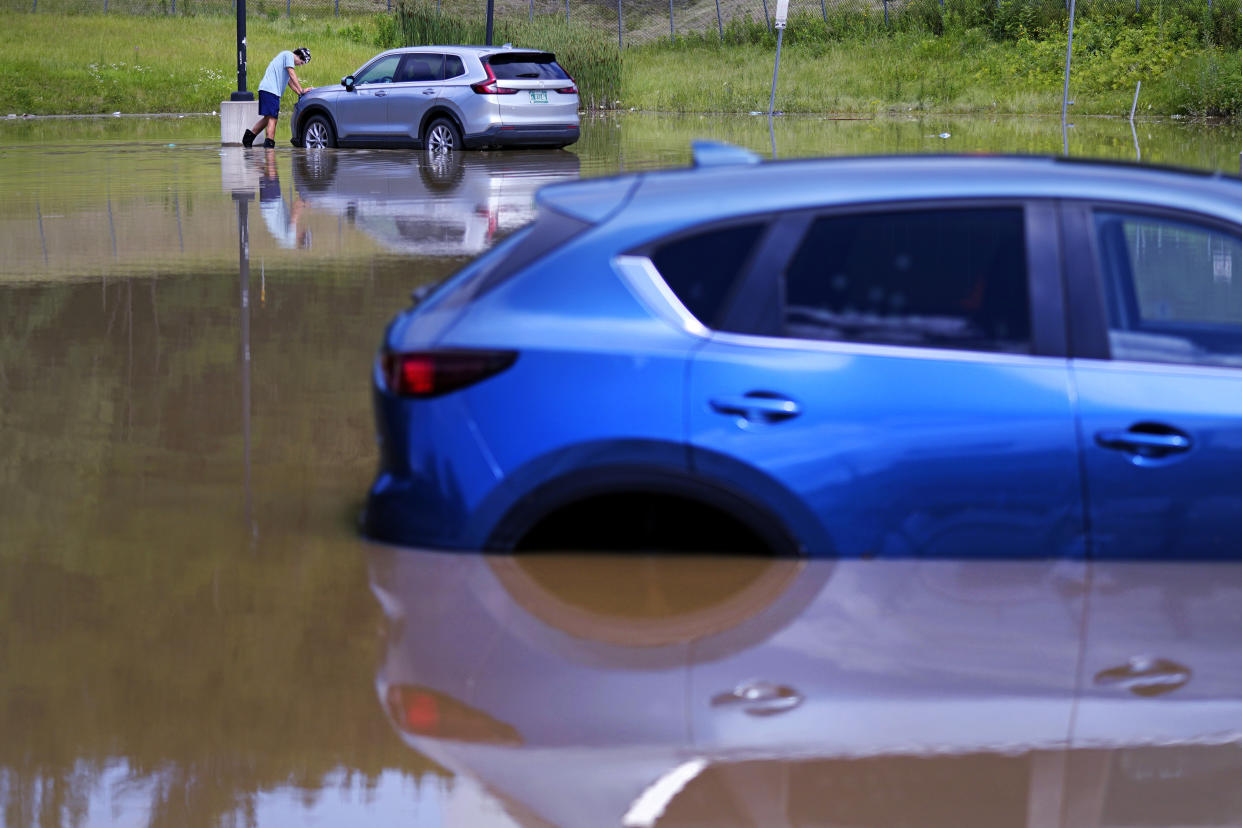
(863, 357)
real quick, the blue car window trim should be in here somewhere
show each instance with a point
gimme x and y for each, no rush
(640, 275)
(1086, 318)
(1049, 327)
(875, 349)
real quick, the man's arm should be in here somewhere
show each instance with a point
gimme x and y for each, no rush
(295, 83)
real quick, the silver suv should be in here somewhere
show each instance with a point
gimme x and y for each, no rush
(444, 98)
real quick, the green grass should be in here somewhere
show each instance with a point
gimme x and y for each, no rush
(1012, 63)
(956, 72)
(74, 64)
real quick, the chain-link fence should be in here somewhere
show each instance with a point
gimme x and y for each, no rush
(266, 8)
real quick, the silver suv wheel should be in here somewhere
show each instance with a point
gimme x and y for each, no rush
(442, 136)
(318, 134)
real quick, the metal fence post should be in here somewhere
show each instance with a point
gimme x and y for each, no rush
(823, 8)
(336, 8)
(766, 20)
(885, 13)
(531, 19)
(671, 32)
(719, 25)
(566, 12)
(1069, 53)
(620, 42)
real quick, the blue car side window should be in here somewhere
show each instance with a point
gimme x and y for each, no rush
(1169, 288)
(934, 278)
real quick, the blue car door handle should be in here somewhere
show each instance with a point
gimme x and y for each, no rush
(380, 94)
(757, 407)
(429, 91)
(1145, 441)
(1145, 676)
(759, 698)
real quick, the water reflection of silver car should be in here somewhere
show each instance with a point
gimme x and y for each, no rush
(606, 690)
(446, 204)
(444, 98)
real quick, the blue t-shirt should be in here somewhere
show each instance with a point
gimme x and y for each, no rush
(276, 78)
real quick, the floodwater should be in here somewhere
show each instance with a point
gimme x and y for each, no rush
(192, 632)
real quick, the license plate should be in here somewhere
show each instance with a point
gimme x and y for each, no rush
(538, 97)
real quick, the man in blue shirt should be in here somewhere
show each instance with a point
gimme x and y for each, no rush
(279, 74)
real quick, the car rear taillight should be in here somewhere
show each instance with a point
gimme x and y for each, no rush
(568, 90)
(430, 373)
(489, 87)
(424, 712)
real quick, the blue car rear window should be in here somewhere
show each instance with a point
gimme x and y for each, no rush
(701, 268)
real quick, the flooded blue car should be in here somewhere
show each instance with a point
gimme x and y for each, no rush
(866, 357)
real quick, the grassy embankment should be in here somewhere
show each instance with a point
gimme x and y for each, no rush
(972, 56)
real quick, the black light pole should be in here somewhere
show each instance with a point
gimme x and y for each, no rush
(490, 9)
(242, 94)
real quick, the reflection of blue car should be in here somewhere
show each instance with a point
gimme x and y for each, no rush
(940, 357)
(690, 690)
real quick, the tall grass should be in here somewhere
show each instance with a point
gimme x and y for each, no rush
(85, 64)
(589, 54)
(970, 57)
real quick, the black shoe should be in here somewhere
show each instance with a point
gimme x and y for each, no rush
(248, 139)
(268, 143)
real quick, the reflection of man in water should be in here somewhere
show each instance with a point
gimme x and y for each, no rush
(281, 220)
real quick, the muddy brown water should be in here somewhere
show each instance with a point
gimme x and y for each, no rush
(191, 630)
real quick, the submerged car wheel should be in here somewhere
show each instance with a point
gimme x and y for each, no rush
(442, 136)
(318, 133)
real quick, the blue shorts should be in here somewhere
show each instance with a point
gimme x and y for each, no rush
(269, 104)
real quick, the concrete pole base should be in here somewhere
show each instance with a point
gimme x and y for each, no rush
(235, 118)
